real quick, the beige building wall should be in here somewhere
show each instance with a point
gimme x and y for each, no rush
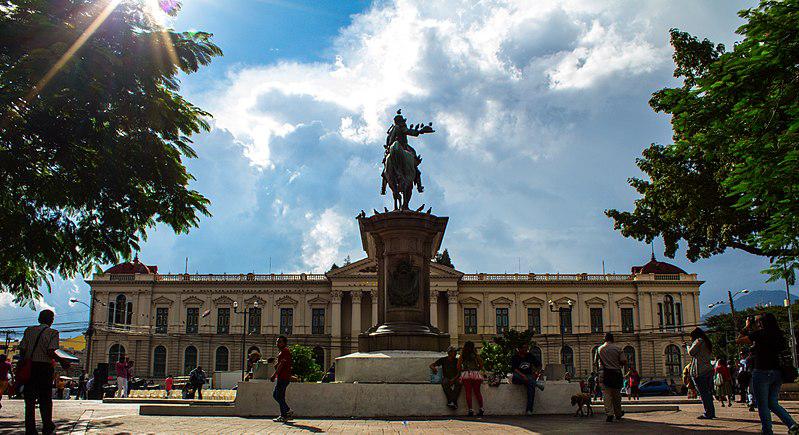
(349, 300)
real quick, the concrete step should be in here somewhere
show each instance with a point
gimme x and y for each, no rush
(189, 410)
(663, 401)
(165, 401)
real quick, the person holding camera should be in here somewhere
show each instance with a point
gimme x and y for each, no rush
(701, 351)
(767, 341)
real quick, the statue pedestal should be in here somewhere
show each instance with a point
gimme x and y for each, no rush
(403, 243)
(392, 367)
(555, 372)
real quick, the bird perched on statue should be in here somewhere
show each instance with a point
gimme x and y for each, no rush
(385, 209)
(429, 210)
(420, 208)
(376, 212)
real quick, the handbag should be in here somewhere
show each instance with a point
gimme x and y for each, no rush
(24, 369)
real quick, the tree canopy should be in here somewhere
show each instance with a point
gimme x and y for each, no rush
(730, 179)
(93, 133)
(443, 259)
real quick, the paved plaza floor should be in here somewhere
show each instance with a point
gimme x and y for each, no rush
(96, 417)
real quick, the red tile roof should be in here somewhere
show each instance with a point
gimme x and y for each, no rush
(134, 266)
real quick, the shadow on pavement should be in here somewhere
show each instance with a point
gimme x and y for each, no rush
(61, 425)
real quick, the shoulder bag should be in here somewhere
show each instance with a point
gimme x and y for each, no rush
(25, 365)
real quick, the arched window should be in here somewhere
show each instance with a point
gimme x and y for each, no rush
(536, 351)
(668, 310)
(673, 360)
(221, 359)
(567, 359)
(114, 354)
(319, 356)
(629, 353)
(189, 359)
(159, 362)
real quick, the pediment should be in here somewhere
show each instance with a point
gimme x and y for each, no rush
(253, 299)
(626, 301)
(193, 300)
(596, 301)
(223, 300)
(286, 300)
(470, 301)
(363, 267)
(533, 301)
(318, 301)
(501, 301)
(441, 271)
(564, 301)
(160, 300)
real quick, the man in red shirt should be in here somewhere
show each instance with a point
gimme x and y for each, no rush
(5, 370)
(283, 376)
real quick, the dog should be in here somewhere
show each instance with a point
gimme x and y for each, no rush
(580, 400)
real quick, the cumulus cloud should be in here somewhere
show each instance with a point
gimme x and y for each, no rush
(321, 246)
(7, 301)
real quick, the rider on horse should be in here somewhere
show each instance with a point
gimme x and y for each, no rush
(399, 132)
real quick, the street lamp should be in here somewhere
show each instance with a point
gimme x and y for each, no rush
(560, 311)
(90, 329)
(243, 333)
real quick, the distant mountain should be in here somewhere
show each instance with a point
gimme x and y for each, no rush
(751, 300)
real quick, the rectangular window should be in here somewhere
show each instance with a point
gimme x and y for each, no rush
(192, 320)
(596, 320)
(660, 315)
(318, 321)
(534, 320)
(678, 312)
(627, 324)
(470, 320)
(223, 320)
(161, 320)
(503, 321)
(286, 320)
(566, 321)
(254, 321)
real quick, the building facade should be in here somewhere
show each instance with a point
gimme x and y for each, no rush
(170, 323)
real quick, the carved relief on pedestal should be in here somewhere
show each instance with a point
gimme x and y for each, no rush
(403, 284)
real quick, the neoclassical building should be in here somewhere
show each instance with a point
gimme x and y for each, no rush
(170, 323)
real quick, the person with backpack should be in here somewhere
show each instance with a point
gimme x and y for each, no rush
(197, 378)
(767, 341)
(36, 371)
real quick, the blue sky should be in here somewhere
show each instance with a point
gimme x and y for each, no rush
(540, 110)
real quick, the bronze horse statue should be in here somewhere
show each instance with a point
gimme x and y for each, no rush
(399, 173)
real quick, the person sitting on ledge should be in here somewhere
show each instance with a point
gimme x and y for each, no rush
(449, 376)
(523, 364)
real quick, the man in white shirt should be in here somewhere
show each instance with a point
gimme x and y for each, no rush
(611, 361)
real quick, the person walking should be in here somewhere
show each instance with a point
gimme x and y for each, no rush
(39, 345)
(282, 378)
(767, 341)
(744, 378)
(723, 382)
(633, 381)
(701, 351)
(449, 376)
(611, 361)
(81, 394)
(5, 371)
(525, 367)
(469, 366)
(168, 384)
(198, 378)
(123, 367)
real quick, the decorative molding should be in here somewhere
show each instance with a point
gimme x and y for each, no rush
(253, 299)
(356, 296)
(286, 300)
(223, 300)
(470, 301)
(596, 301)
(335, 296)
(534, 301)
(564, 301)
(501, 301)
(626, 301)
(163, 301)
(193, 300)
(318, 301)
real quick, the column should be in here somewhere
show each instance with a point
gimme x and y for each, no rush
(434, 308)
(452, 299)
(335, 323)
(356, 314)
(374, 307)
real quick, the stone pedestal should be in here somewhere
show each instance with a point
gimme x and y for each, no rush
(393, 366)
(555, 372)
(403, 243)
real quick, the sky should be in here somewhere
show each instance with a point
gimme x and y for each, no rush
(540, 110)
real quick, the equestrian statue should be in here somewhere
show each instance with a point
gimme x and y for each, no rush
(401, 163)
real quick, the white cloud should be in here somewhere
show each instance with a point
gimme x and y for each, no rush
(7, 301)
(321, 246)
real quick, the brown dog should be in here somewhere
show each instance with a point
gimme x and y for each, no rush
(582, 399)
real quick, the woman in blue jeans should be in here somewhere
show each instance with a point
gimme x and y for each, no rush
(701, 351)
(767, 343)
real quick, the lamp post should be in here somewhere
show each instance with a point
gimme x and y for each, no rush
(90, 329)
(243, 334)
(560, 311)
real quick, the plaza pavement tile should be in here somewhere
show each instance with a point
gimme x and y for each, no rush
(95, 417)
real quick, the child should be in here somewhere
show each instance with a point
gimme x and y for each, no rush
(168, 382)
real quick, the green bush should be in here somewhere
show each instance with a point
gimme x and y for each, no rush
(303, 363)
(497, 354)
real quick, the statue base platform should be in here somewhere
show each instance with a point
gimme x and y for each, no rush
(394, 366)
(398, 336)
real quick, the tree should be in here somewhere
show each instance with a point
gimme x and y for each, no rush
(347, 260)
(443, 259)
(723, 331)
(333, 267)
(730, 179)
(92, 135)
(498, 353)
(303, 364)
